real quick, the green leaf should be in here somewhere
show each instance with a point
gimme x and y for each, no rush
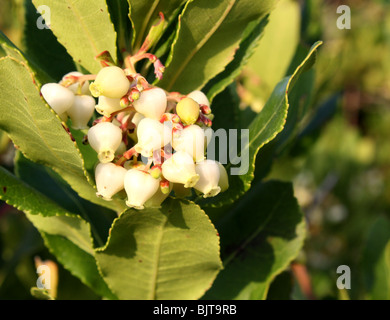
(45, 214)
(167, 253)
(272, 57)
(42, 46)
(249, 42)
(79, 263)
(209, 33)
(52, 186)
(38, 132)
(7, 48)
(84, 28)
(66, 235)
(119, 10)
(376, 261)
(264, 128)
(144, 13)
(41, 294)
(259, 238)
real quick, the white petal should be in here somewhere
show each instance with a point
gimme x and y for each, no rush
(152, 103)
(180, 168)
(199, 97)
(192, 141)
(152, 135)
(81, 111)
(109, 179)
(223, 178)
(140, 186)
(59, 98)
(105, 138)
(208, 171)
(106, 106)
(75, 86)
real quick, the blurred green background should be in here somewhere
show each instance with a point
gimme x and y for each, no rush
(338, 161)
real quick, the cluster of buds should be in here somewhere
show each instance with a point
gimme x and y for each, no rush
(70, 98)
(149, 142)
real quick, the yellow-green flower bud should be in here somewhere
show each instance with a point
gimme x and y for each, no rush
(188, 111)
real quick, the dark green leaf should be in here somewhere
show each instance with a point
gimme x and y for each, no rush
(209, 33)
(260, 236)
(83, 28)
(251, 38)
(263, 129)
(42, 47)
(376, 261)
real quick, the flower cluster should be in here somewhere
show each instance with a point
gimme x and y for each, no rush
(149, 142)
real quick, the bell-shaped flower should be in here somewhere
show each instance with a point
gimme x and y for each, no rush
(59, 98)
(180, 168)
(208, 171)
(152, 135)
(77, 88)
(109, 179)
(140, 186)
(110, 82)
(223, 182)
(199, 97)
(191, 140)
(135, 121)
(105, 138)
(81, 111)
(106, 106)
(152, 103)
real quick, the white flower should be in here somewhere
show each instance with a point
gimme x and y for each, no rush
(59, 98)
(110, 82)
(81, 111)
(105, 138)
(152, 135)
(223, 182)
(191, 140)
(140, 186)
(106, 106)
(152, 103)
(180, 168)
(109, 179)
(208, 171)
(199, 97)
(75, 87)
(136, 120)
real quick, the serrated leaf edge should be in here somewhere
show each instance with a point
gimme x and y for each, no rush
(249, 179)
(103, 248)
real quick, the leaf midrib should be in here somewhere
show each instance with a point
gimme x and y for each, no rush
(153, 292)
(205, 39)
(83, 26)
